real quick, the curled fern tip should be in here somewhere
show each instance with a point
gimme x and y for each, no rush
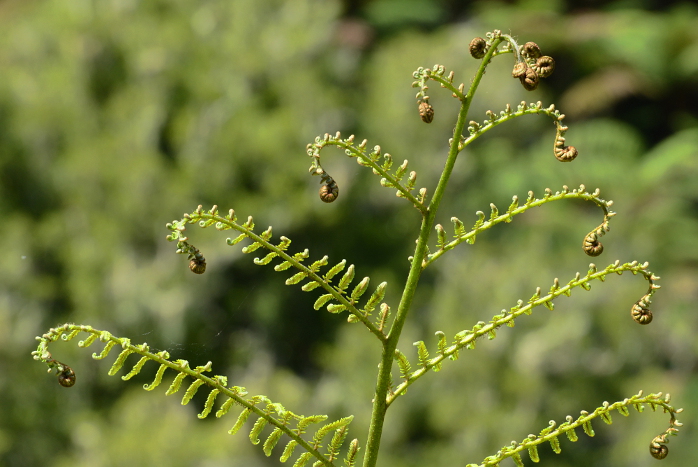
(478, 48)
(426, 111)
(641, 314)
(66, 378)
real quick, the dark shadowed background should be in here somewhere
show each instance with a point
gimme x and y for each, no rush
(116, 116)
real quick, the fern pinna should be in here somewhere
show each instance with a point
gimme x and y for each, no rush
(339, 290)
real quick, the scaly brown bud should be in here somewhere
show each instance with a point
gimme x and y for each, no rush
(519, 70)
(544, 66)
(529, 80)
(426, 111)
(531, 49)
(478, 47)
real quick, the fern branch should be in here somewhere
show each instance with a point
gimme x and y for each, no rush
(514, 209)
(553, 431)
(422, 75)
(476, 129)
(339, 293)
(272, 413)
(370, 159)
(466, 339)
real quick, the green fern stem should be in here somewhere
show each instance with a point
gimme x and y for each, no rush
(466, 339)
(384, 379)
(553, 431)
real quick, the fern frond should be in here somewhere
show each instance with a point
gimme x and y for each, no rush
(422, 353)
(551, 434)
(351, 455)
(270, 413)
(467, 338)
(271, 441)
(326, 429)
(336, 298)
(403, 363)
(337, 440)
(380, 163)
(561, 152)
(514, 209)
(436, 73)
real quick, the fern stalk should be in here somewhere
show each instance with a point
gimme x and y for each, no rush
(380, 405)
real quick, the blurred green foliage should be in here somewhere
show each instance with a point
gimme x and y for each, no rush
(118, 115)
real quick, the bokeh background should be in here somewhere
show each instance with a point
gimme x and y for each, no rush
(116, 116)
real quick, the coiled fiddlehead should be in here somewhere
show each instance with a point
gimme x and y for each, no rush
(66, 375)
(66, 378)
(478, 47)
(531, 50)
(544, 66)
(197, 262)
(591, 244)
(658, 447)
(519, 70)
(563, 153)
(329, 190)
(641, 314)
(657, 450)
(531, 65)
(640, 311)
(426, 111)
(529, 79)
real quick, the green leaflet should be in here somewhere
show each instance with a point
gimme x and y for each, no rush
(271, 441)
(404, 364)
(119, 362)
(303, 459)
(360, 289)
(375, 298)
(158, 379)
(322, 300)
(242, 418)
(136, 369)
(347, 278)
(225, 407)
(336, 269)
(193, 387)
(325, 430)
(288, 450)
(257, 429)
(208, 406)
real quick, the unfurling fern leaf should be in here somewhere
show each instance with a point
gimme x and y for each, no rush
(336, 298)
(270, 413)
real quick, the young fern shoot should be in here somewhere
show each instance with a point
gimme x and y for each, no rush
(340, 291)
